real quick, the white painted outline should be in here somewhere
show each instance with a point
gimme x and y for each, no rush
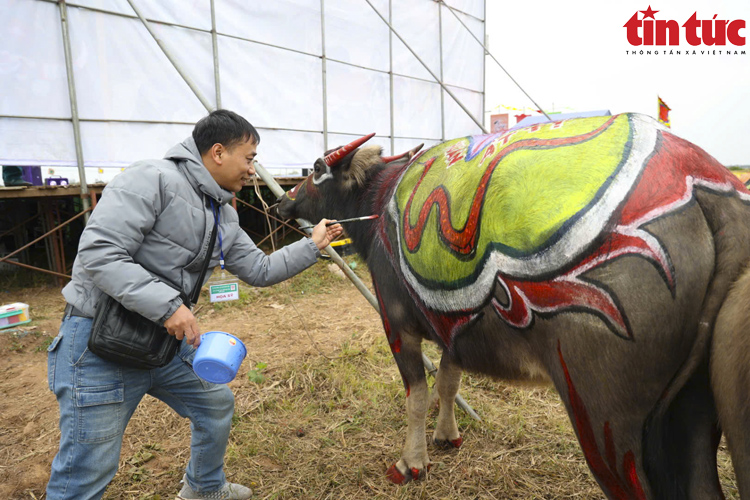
(324, 177)
(569, 247)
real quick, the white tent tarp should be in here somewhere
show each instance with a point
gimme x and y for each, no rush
(133, 104)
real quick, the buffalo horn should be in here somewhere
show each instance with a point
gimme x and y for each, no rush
(408, 155)
(334, 157)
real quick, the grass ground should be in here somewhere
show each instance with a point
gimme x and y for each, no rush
(320, 411)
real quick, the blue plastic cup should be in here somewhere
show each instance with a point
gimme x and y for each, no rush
(218, 357)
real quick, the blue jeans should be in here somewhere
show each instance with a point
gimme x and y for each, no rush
(97, 399)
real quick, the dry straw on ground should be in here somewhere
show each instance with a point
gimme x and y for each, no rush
(319, 414)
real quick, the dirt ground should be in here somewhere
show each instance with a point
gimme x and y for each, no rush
(319, 411)
(272, 328)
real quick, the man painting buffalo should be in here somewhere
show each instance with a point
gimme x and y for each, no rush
(604, 254)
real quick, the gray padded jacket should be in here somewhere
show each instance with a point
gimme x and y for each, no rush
(152, 227)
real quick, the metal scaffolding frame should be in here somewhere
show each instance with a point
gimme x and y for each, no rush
(437, 78)
(76, 120)
(276, 188)
(74, 105)
(488, 53)
(52, 218)
(55, 246)
(366, 293)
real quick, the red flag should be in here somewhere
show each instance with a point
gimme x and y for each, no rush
(520, 117)
(664, 112)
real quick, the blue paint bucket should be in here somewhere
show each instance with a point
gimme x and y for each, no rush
(218, 357)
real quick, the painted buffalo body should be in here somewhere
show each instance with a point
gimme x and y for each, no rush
(604, 254)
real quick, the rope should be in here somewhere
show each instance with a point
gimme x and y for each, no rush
(493, 57)
(266, 209)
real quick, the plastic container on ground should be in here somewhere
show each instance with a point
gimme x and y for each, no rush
(14, 315)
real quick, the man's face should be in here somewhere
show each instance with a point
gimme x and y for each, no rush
(237, 165)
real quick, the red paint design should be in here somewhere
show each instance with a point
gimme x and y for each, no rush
(385, 186)
(415, 473)
(628, 463)
(669, 179)
(665, 187)
(551, 296)
(444, 325)
(455, 153)
(667, 183)
(292, 193)
(479, 142)
(488, 152)
(463, 241)
(606, 473)
(456, 443)
(310, 189)
(505, 138)
(569, 291)
(394, 339)
(394, 475)
(383, 233)
(396, 345)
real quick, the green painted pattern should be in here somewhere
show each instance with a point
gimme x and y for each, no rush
(531, 193)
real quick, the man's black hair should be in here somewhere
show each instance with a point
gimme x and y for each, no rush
(223, 127)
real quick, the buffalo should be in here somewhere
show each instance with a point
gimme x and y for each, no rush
(604, 254)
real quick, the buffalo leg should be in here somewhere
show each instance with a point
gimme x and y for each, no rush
(730, 377)
(680, 444)
(670, 455)
(611, 444)
(446, 385)
(405, 338)
(414, 461)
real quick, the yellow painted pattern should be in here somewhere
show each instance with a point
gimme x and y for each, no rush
(532, 191)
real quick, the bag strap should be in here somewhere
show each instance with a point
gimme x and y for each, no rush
(193, 299)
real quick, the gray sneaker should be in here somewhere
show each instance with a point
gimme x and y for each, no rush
(230, 491)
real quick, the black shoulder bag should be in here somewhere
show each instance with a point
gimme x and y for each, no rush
(125, 337)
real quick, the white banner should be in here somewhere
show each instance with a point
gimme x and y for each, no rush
(271, 87)
(33, 81)
(416, 117)
(463, 58)
(355, 34)
(122, 74)
(133, 103)
(358, 100)
(293, 24)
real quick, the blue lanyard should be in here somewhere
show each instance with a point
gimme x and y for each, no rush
(217, 214)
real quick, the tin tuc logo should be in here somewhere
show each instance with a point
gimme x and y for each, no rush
(649, 31)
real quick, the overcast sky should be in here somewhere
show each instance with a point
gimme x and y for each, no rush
(571, 56)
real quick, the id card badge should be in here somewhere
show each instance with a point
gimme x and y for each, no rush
(222, 289)
(224, 292)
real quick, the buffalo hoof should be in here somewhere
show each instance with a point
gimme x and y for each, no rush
(449, 443)
(397, 477)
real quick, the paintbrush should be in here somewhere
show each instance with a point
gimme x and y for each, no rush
(354, 219)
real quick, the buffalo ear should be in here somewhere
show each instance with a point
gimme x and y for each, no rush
(363, 159)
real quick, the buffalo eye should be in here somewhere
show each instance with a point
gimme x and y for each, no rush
(317, 169)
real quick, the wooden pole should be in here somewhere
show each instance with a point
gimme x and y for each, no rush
(278, 191)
